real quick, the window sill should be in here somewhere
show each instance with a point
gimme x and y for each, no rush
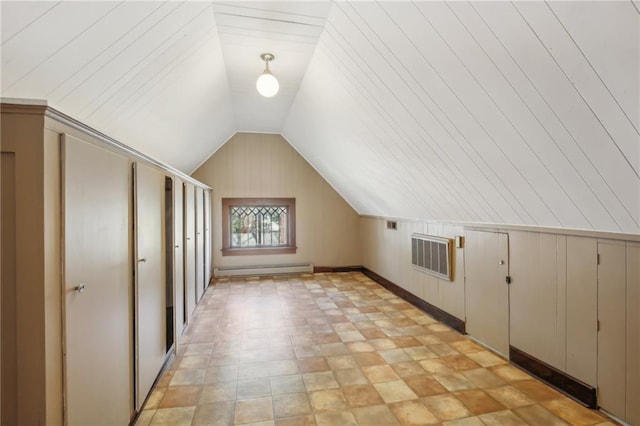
(258, 251)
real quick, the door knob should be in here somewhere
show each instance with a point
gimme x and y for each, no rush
(79, 288)
(144, 259)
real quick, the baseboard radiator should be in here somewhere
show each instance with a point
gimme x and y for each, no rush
(243, 271)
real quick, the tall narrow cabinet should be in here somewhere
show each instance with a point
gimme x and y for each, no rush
(85, 331)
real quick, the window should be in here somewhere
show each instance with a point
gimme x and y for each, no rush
(258, 226)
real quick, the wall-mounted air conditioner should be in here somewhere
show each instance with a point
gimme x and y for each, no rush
(432, 255)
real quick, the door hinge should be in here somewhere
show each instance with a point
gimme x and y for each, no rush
(507, 279)
(598, 325)
(598, 258)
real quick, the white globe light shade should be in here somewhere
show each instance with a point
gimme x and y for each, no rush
(267, 85)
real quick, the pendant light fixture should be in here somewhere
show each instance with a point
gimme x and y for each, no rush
(267, 84)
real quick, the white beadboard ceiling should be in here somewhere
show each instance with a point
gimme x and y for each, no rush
(497, 112)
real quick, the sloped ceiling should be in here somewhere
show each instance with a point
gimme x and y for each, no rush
(146, 73)
(498, 112)
(174, 80)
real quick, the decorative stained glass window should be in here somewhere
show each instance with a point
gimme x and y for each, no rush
(258, 225)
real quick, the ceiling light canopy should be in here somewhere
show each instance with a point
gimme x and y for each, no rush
(267, 84)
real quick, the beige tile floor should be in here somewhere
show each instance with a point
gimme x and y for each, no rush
(338, 349)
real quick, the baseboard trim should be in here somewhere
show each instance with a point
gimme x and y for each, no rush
(437, 313)
(576, 389)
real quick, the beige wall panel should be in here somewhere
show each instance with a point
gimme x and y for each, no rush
(53, 273)
(8, 352)
(534, 305)
(340, 243)
(150, 294)
(582, 309)
(385, 248)
(612, 334)
(263, 165)
(452, 292)
(633, 333)
(23, 134)
(487, 294)
(178, 257)
(402, 257)
(394, 242)
(190, 249)
(367, 228)
(561, 297)
(422, 278)
(199, 243)
(422, 281)
(404, 232)
(97, 256)
(431, 290)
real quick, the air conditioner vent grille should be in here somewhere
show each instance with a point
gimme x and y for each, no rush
(432, 255)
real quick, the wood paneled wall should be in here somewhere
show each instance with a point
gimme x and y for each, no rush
(265, 165)
(388, 253)
(561, 300)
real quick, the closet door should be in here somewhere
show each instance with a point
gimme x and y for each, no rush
(97, 285)
(178, 256)
(633, 333)
(487, 294)
(612, 288)
(582, 309)
(150, 290)
(207, 236)
(200, 284)
(190, 249)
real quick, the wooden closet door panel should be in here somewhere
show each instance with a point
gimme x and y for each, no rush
(207, 236)
(150, 294)
(97, 284)
(536, 296)
(487, 294)
(178, 256)
(190, 249)
(611, 336)
(200, 284)
(582, 309)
